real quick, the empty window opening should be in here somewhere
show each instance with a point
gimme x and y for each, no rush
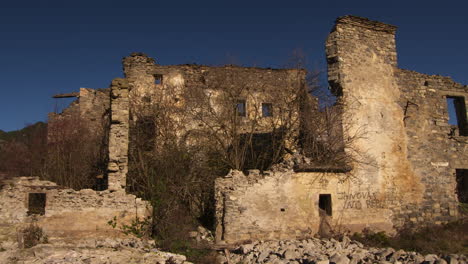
(158, 78)
(457, 114)
(145, 132)
(36, 203)
(267, 109)
(240, 108)
(146, 99)
(462, 185)
(325, 203)
(101, 183)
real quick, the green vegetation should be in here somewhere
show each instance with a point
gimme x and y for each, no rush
(451, 238)
(23, 134)
(33, 235)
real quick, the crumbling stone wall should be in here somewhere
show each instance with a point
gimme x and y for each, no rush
(362, 62)
(406, 118)
(404, 151)
(435, 148)
(118, 135)
(71, 216)
(94, 107)
(91, 108)
(171, 86)
(284, 204)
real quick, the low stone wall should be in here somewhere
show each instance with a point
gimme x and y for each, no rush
(285, 205)
(70, 216)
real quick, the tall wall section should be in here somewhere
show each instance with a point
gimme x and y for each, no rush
(118, 135)
(405, 153)
(435, 148)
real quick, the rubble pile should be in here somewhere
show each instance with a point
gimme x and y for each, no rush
(105, 252)
(331, 251)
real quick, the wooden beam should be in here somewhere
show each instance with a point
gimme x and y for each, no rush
(67, 95)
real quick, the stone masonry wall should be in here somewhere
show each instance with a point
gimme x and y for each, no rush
(255, 85)
(362, 62)
(404, 116)
(118, 135)
(90, 109)
(433, 148)
(94, 107)
(71, 216)
(285, 205)
(405, 152)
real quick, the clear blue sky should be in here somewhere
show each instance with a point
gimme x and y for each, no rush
(50, 47)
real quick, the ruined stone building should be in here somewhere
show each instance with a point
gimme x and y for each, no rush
(412, 165)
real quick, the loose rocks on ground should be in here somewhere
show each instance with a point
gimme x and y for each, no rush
(331, 251)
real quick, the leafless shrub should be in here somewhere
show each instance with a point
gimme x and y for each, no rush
(23, 153)
(183, 141)
(76, 154)
(31, 236)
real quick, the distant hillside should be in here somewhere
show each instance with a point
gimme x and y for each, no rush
(24, 134)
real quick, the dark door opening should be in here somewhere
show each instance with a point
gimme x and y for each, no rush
(36, 203)
(325, 203)
(462, 185)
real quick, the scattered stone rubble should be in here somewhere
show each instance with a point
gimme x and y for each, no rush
(202, 235)
(104, 251)
(329, 251)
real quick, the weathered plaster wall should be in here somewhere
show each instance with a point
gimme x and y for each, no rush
(180, 82)
(405, 119)
(362, 58)
(404, 151)
(70, 216)
(285, 205)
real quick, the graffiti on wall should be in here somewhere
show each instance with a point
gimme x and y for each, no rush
(361, 200)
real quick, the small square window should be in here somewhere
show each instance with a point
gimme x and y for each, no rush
(240, 108)
(158, 78)
(267, 109)
(36, 203)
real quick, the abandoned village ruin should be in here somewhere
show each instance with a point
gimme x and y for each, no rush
(413, 167)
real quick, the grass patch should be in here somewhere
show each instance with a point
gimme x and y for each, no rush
(451, 238)
(193, 252)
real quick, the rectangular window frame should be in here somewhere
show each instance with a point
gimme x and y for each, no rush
(158, 79)
(37, 203)
(267, 110)
(460, 113)
(241, 108)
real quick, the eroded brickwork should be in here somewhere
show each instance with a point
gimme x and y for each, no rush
(405, 152)
(174, 85)
(435, 148)
(118, 135)
(71, 217)
(90, 109)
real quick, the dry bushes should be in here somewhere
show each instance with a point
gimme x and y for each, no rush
(76, 154)
(430, 239)
(22, 152)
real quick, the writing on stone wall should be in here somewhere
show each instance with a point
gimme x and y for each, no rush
(361, 200)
